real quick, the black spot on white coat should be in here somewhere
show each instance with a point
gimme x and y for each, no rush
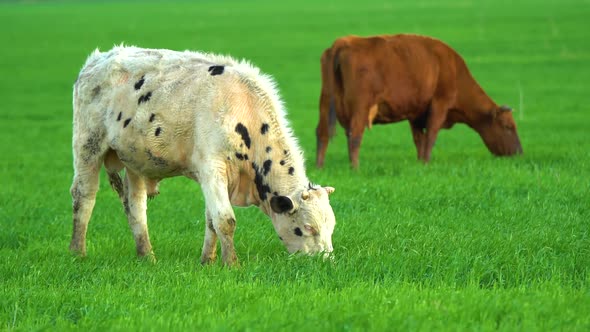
(119, 116)
(139, 83)
(282, 163)
(266, 167)
(243, 131)
(215, 70)
(298, 231)
(241, 156)
(144, 98)
(291, 170)
(264, 128)
(263, 189)
(158, 131)
(126, 123)
(268, 149)
(152, 117)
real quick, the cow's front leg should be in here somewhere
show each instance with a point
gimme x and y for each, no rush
(434, 123)
(135, 207)
(221, 214)
(360, 109)
(210, 243)
(419, 137)
(355, 137)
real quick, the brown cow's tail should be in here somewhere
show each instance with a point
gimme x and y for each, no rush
(337, 88)
(332, 117)
(328, 103)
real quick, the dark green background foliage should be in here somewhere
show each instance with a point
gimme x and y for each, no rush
(468, 242)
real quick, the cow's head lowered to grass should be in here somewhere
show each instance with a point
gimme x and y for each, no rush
(305, 222)
(499, 132)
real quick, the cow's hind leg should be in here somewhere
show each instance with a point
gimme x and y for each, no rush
(325, 129)
(210, 243)
(135, 204)
(83, 190)
(89, 149)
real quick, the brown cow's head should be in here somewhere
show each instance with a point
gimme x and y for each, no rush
(305, 222)
(499, 132)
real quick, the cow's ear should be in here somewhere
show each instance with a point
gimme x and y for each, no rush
(310, 229)
(499, 110)
(329, 190)
(281, 204)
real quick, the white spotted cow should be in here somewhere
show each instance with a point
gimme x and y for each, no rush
(220, 122)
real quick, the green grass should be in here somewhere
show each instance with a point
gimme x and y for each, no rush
(469, 242)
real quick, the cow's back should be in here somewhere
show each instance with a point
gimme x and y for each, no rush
(154, 105)
(436, 71)
(400, 73)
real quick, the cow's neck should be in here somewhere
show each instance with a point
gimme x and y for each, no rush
(474, 105)
(274, 164)
(280, 173)
(270, 163)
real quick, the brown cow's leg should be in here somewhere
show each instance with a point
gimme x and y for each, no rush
(322, 131)
(322, 139)
(135, 207)
(210, 244)
(355, 137)
(434, 122)
(419, 139)
(321, 147)
(359, 108)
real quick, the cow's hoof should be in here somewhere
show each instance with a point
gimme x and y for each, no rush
(78, 252)
(206, 260)
(231, 261)
(232, 265)
(150, 257)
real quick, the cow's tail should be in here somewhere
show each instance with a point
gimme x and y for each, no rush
(337, 89)
(332, 117)
(117, 184)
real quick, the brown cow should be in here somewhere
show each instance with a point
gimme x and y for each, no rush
(391, 78)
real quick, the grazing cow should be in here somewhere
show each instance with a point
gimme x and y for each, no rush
(386, 79)
(160, 113)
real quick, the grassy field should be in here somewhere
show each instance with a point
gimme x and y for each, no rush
(468, 242)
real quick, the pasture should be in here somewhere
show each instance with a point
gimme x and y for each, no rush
(468, 242)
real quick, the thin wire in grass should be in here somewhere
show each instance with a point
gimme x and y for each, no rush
(14, 316)
(520, 102)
